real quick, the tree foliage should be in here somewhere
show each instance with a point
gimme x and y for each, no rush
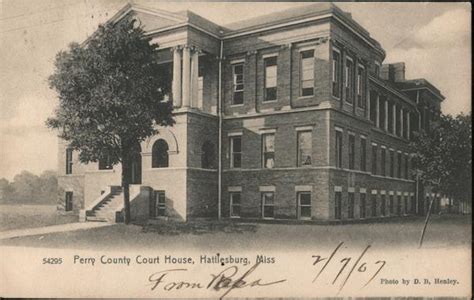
(443, 156)
(28, 188)
(109, 91)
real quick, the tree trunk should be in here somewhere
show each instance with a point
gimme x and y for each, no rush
(126, 186)
(426, 222)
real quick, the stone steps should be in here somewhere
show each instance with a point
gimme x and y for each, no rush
(105, 212)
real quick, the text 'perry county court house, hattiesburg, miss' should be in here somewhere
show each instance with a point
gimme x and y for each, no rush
(290, 115)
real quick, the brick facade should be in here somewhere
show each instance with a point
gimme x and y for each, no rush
(319, 189)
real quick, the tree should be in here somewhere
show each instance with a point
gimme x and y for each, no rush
(443, 159)
(28, 188)
(443, 156)
(109, 91)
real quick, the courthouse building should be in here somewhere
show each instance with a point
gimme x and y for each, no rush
(287, 116)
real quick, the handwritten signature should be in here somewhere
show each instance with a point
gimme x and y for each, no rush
(360, 266)
(227, 280)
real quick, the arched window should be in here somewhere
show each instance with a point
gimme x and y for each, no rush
(207, 155)
(160, 154)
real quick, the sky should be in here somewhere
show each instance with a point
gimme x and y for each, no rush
(433, 39)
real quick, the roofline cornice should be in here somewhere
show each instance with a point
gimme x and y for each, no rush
(306, 20)
(186, 24)
(129, 7)
(440, 97)
(222, 36)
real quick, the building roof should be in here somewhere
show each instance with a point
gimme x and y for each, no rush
(418, 84)
(260, 23)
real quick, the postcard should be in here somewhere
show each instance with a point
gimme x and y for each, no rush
(235, 149)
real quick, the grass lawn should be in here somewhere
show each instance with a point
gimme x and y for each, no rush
(443, 231)
(30, 216)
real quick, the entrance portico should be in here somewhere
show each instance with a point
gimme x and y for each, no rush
(185, 84)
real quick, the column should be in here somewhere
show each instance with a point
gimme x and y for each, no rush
(194, 78)
(385, 125)
(377, 108)
(408, 125)
(176, 89)
(394, 119)
(401, 123)
(186, 76)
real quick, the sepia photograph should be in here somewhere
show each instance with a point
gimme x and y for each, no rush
(159, 149)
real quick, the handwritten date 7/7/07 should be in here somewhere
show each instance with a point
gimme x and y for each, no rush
(353, 265)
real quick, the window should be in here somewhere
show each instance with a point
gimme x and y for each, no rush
(336, 84)
(159, 155)
(338, 149)
(374, 159)
(338, 206)
(373, 107)
(105, 163)
(351, 151)
(68, 202)
(413, 204)
(382, 205)
(398, 120)
(363, 154)
(158, 205)
(236, 152)
(373, 205)
(361, 86)
(166, 70)
(305, 149)
(349, 80)
(267, 205)
(405, 205)
(392, 163)
(235, 201)
(350, 206)
(407, 169)
(377, 69)
(382, 116)
(270, 78)
(362, 206)
(307, 73)
(304, 205)
(207, 155)
(390, 204)
(69, 161)
(399, 205)
(238, 84)
(390, 118)
(399, 165)
(268, 150)
(383, 162)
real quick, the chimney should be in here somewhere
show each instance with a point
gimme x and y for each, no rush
(393, 72)
(398, 71)
(384, 71)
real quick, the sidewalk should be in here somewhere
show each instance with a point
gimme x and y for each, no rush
(51, 229)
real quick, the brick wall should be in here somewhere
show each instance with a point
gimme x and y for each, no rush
(285, 182)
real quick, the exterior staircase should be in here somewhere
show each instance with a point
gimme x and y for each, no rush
(106, 210)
